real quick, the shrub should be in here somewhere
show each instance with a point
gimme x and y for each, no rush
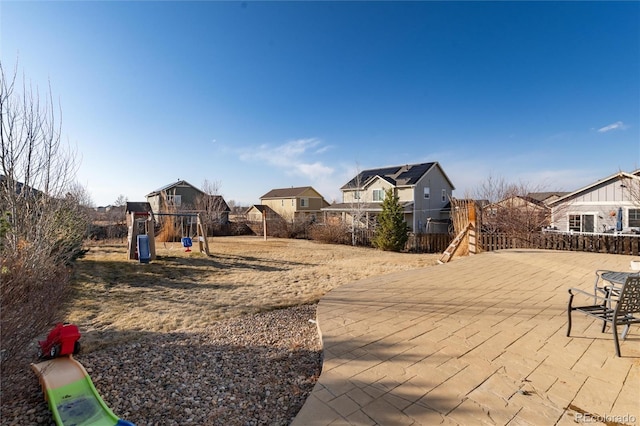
(330, 233)
(43, 221)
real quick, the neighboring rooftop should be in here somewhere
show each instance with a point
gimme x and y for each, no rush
(287, 192)
(138, 206)
(406, 175)
(172, 185)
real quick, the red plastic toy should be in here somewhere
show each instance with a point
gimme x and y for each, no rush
(62, 340)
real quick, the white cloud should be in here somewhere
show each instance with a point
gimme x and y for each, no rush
(280, 155)
(618, 125)
(313, 170)
(293, 157)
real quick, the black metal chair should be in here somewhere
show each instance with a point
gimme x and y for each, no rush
(609, 280)
(619, 306)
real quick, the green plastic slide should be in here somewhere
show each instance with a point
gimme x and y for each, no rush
(72, 397)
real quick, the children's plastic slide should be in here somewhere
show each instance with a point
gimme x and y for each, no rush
(72, 397)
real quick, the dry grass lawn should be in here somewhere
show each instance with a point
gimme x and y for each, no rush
(115, 299)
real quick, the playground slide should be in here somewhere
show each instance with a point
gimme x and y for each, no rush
(72, 397)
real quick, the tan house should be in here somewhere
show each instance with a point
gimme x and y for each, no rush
(294, 204)
(423, 190)
(516, 214)
(259, 212)
(546, 197)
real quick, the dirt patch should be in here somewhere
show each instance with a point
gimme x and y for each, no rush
(115, 299)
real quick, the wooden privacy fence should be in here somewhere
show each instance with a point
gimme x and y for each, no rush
(428, 243)
(597, 243)
(417, 243)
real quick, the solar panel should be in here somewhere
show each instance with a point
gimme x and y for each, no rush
(414, 173)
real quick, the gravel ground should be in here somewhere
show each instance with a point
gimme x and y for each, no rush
(250, 370)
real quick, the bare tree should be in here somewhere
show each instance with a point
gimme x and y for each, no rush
(492, 189)
(212, 203)
(44, 222)
(632, 186)
(211, 187)
(121, 201)
(357, 205)
(510, 209)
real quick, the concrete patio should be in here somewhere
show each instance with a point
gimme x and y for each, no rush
(479, 340)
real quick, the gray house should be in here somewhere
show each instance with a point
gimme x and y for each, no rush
(608, 205)
(423, 191)
(181, 196)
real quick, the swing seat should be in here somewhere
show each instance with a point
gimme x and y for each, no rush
(186, 242)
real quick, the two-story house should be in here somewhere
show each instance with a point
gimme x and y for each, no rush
(293, 204)
(423, 191)
(181, 196)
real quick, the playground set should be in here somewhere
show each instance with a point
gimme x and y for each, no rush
(141, 223)
(67, 387)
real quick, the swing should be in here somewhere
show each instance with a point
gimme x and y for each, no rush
(186, 239)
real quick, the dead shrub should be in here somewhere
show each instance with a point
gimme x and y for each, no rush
(169, 231)
(330, 233)
(32, 291)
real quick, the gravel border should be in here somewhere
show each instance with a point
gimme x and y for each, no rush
(251, 370)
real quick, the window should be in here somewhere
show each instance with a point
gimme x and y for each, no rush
(575, 222)
(427, 192)
(378, 194)
(582, 222)
(444, 195)
(304, 202)
(174, 200)
(634, 218)
(293, 203)
(282, 203)
(356, 195)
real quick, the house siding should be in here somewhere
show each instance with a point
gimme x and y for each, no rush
(601, 201)
(188, 196)
(290, 207)
(285, 207)
(430, 208)
(610, 193)
(366, 195)
(315, 204)
(405, 195)
(154, 202)
(254, 215)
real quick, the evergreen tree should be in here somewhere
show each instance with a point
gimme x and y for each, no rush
(391, 233)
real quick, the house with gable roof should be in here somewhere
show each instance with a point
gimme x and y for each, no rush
(546, 198)
(611, 204)
(527, 213)
(182, 196)
(423, 190)
(292, 204)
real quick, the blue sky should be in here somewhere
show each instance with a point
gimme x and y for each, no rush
(263, 95)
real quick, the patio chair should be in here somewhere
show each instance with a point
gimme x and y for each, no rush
(619, 306)
(607, 280)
